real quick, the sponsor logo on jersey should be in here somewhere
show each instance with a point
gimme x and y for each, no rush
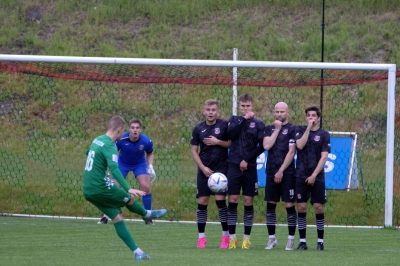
(204, 130)
(141, 147)
(126, 199)
(98, 142)
(217, 130)
(317, 138)
(285, 131)
(299, 196)
(252, 125)
(115, 158)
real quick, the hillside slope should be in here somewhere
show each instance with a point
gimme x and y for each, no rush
(286, 30)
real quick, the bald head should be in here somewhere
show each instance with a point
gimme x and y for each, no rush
(281, 105)
(281, 112)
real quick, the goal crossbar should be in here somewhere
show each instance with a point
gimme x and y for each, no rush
(390, 68)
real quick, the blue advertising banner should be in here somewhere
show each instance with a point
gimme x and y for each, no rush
(336, 168)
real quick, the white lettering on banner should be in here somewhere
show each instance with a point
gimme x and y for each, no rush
(261, 161)
(330, 165)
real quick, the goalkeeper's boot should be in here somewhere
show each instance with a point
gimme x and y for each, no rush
(103, 220)
(150, 222)
(320, 246)
(143, 256)
(246, 243)
(155, 214)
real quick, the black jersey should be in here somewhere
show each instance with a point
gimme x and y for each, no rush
(277, 153)
(246, 135)
(308, 158)
(214, 156)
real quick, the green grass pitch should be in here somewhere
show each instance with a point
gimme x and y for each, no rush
(44, 241)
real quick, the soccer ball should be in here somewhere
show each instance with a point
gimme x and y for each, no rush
(217, 182)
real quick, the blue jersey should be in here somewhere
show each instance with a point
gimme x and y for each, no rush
(132, 153)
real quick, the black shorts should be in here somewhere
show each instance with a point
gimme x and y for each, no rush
(284, 190)
(316, 193)
(202, 185)
(246, 181)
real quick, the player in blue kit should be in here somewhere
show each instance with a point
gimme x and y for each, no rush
(246, 134)
(136, 155)
(279, 141)
(313, 147)
(210, 152)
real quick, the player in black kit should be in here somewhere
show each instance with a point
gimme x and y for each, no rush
(246, 134)
(279, 141)
(210, 136)
(313, 147)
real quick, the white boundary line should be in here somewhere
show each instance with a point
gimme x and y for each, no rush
(170, 221)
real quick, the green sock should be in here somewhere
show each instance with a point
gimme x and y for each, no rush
(125, 235)
(137, 208)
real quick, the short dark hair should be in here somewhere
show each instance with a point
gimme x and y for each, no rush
(246, 98)
(313, 108)
(136, 121)
(116, 122)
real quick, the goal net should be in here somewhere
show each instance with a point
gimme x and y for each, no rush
(51, 108)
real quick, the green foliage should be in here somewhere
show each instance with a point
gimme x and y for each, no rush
(56, 119)
(271, 30)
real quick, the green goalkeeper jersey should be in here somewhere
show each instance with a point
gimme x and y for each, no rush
(102, 157)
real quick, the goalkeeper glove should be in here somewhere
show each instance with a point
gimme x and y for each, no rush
(151, 172)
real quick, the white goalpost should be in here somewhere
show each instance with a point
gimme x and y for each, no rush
(235, 67)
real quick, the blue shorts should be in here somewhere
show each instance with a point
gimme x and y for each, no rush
(140, 169)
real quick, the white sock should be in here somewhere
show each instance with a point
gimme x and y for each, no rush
(320, 240)
(291, 237)
(246, 236)
(138, 251)
(105, 215)
(201, 235)
(148, 214)
(272, 236)
(232, 236)
(225, 233)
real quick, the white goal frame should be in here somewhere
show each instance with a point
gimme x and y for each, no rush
(390, 68)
